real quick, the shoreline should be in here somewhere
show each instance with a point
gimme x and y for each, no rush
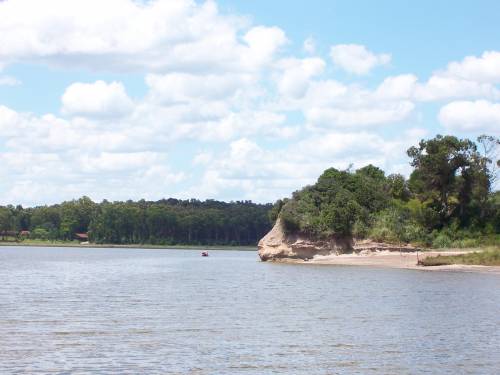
(378, 259)
(131, 246)
(387, 259)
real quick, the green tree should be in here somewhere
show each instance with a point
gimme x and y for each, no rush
(6, 219)
(398, 187)
(449, 173)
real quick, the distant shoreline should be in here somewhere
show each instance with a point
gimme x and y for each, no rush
(132, 246)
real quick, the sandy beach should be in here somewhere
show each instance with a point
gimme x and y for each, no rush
(396, 260)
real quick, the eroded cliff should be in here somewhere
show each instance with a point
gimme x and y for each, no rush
(279, 245)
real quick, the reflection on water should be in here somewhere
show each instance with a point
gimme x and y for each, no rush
(67, 310)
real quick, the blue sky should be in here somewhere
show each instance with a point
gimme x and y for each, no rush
(232, 99)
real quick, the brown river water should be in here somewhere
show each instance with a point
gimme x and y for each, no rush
(139, 311)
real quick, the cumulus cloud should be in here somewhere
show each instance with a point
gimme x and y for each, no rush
(442, 87)
(473, 77)
(309, 45)
(385, 114)
(182, 87)
(49, 159)
(9, 121)
(397, 87)
(223, 95)
(356, 58)
(484, 69)
(260, 174)
(296, 75)
(479, 115)
(120, 35)
(264, 43)
(328, 104)
(98, 99)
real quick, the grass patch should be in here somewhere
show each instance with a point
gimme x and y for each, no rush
(490, 257)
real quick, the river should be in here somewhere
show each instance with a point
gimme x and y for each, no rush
(144, 311)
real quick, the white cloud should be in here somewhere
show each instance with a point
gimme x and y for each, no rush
(261, 174)
(484, 69)
(442, 87)
(119, 161)
(98, 99)
(473, 77)
(264, 42)
(397, 87)
(120, 35)
(182, 87)
(9, 81)
(222, 95)
(309, 45)
(9, 121)
(296, 75)
(479, 115)
(356, 58)
(376, 115)
(50, 159)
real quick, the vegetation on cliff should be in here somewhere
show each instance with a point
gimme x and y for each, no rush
(447, 200)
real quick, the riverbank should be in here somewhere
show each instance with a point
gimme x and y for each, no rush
(132, 246)
(487, 257)
(403, 260)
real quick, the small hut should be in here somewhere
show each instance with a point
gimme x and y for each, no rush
(82, 237)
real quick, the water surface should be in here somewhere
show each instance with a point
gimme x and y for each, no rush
(73, 310)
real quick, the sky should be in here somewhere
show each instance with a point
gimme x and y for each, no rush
(232, 100)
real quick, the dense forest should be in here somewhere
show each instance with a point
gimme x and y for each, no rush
(448, 200)
(165, 222)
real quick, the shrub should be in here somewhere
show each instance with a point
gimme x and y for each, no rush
(361, 228)
(442, 240)
(40, 233)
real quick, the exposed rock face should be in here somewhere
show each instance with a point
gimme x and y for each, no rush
(278, 245)
(367, 246)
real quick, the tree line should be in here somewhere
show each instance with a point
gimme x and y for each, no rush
(163, 222)
(448, 199)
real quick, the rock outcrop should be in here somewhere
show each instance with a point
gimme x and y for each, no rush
(278, 245)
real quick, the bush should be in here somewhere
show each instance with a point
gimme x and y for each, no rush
(383, 234)
(40, 233)
(466, 243)
(442, 240)
(396, 224)
(360, 229)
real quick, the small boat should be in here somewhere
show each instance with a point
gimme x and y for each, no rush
(204, 254)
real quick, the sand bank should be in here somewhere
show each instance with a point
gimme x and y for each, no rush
(395, 260)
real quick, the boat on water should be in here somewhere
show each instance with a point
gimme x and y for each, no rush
(204, 253)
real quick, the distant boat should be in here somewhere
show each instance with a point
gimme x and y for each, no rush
(204, 254)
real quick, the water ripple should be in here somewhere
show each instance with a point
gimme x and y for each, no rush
(109, 311)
